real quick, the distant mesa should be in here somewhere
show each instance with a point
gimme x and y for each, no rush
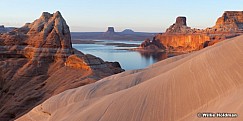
(110, 30)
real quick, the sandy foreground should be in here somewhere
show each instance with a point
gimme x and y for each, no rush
(175, 89)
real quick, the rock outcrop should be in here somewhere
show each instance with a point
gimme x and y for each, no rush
(179, 27)
(181, 38)
(5, 29)
(152, 46)
(230, 21)
(38, 61)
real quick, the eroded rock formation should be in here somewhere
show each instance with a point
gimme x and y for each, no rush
(38, 61)
(230, 21)
(178, 37)
(179, 27)
(181, 38)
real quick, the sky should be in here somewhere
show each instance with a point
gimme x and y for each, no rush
(138, 15)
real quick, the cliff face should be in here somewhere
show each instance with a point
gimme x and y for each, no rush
(38, 61)
(181, 42)
(179, 37)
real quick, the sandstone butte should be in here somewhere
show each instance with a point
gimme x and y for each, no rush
(181, 38)
(174, 89)
(37, 61)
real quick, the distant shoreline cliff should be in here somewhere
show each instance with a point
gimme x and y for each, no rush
(181, 38)
(111, 34)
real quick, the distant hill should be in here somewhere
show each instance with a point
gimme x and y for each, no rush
(110, 34)
(128, 31)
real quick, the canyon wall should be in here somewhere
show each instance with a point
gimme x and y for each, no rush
(181, 42)
(181, 38)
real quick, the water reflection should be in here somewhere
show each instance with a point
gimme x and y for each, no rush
(156, 56)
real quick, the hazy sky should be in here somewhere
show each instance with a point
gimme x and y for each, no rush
(139, 15)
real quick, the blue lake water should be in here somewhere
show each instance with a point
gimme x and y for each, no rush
(129, 60)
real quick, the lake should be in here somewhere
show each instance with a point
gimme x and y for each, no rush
(129, 60)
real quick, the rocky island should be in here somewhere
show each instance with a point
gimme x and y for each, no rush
(38, 61)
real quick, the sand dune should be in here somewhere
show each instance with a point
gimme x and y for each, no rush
(209, 80)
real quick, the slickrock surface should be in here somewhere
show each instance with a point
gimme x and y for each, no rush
(181, 38)
(175, 89)
(37, 61)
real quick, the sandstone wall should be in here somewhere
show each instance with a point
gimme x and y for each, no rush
(182, 42)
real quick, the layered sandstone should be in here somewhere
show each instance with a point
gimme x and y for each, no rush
(181, 38)
(38, 61)
(230, 21)
(181, 42)
(178, 37)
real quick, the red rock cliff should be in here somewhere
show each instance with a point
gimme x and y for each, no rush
(179, 37)
(181, 42)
